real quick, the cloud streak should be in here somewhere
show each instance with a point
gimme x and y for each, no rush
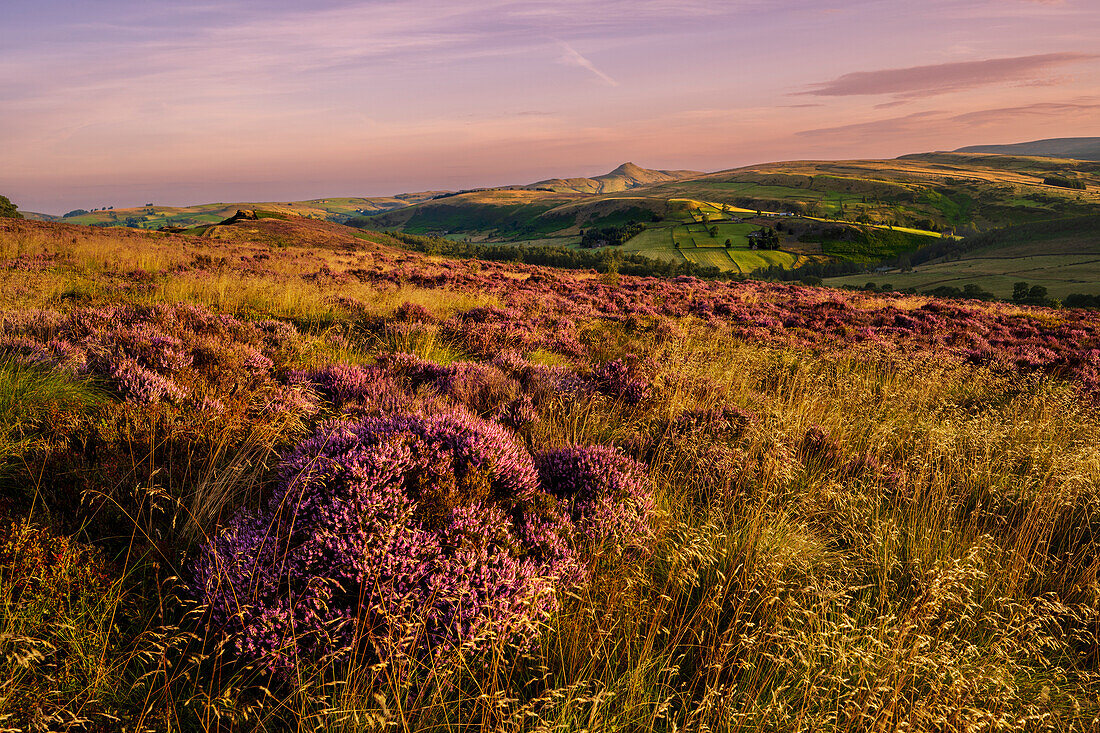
(931, 120)
(917, 82)
(572, 57)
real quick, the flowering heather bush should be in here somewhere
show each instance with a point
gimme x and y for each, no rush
(619, 379)
(284, 400)
(606, 493)
(408, 534)
(356, 388)
(484, 389)
(153, 353)
(141, 384)
(541, 383)
(413, 313)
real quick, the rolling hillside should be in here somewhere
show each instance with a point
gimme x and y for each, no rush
(1079, 148)
(1062, 256)
(925, 191)
(155, 216)
(875, 201)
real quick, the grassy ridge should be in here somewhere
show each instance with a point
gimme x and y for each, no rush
(155, 216)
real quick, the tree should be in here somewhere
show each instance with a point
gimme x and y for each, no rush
(8, 210)
(713, 232)
(770, 239)
(1020, 291)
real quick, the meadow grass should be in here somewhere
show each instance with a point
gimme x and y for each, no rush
(1060, 274)
(789, 596)
(36, 401)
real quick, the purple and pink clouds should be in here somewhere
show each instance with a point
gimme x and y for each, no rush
(121, 102)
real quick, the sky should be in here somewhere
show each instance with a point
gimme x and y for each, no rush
(124, 102)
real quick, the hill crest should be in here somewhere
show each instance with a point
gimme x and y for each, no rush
(1073, 148)
(625, 177)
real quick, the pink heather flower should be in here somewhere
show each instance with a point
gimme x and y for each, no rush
(407, 534)
(143, 385)
(607, 494)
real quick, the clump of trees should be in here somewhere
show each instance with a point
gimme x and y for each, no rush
(1082, 300)
(1026, 294)
(613, 236)
(8, 210)
(765, 238)
(970, 291)
(1063, 182)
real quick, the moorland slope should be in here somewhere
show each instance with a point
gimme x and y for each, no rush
(562, 499)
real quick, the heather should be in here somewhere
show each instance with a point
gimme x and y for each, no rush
(293, 478)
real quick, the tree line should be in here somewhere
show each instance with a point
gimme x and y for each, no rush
(603, 260)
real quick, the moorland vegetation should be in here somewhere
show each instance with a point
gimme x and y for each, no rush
(289, 476)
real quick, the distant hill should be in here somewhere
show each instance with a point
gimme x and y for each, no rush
(1074, 148)
(623, 178)
(155, 216)
(36, 216)
(858, 210)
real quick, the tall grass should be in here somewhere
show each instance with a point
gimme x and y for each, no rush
(34, 401)
(949, 584)
(310, 304)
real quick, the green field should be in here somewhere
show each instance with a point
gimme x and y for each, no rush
(1063, 256)
(656, 243)
(710, 258)
(696, 245)
(1059, 274)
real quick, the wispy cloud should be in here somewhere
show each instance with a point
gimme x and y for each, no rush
(927, 81)
(1059, 110)
(572, 57)
(936, 120)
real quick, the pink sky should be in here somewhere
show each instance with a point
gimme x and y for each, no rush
(120, 102)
